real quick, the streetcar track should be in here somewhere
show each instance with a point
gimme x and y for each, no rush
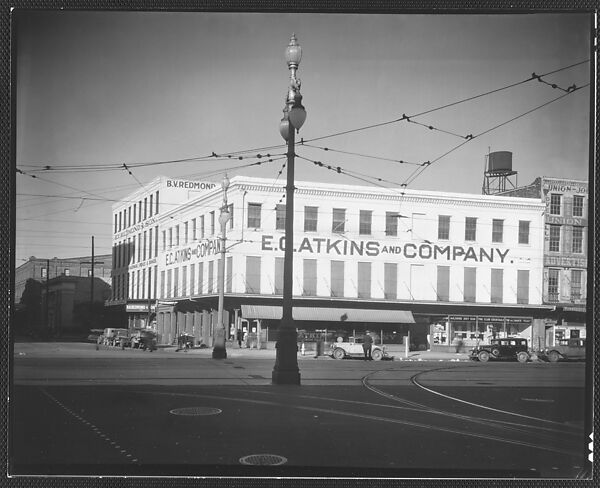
(485, 436)
(488, 422)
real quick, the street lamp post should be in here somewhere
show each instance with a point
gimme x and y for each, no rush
(286, 370)
(219, 350)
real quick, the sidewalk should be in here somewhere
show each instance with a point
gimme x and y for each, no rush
(395, 354)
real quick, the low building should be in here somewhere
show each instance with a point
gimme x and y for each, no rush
(441, 267)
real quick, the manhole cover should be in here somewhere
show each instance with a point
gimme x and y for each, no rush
(196, 411)
(263, 460)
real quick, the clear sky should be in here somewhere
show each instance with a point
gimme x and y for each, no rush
(99, 89)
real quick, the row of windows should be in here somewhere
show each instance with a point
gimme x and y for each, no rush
(137, 212)
(98, 271)
(556, 205)
(194, 229)
(339, 220)
(136, 285)
(554, 239)
(195, 279)
(575, 282)
(203, 278)
(136, 248)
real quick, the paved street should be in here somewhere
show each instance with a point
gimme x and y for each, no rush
(81, 411)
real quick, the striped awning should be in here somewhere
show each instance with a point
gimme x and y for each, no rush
(329, 314)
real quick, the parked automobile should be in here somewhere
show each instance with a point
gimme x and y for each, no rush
(503, 348)
(123, 338)
(568, 349)
(353, 348)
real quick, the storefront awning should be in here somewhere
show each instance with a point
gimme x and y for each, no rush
(329, 314)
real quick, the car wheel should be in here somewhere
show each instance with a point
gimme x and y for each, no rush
(495, 352)
(522, 357)
(553, 356)
(339, 353)
(377, 355)
(484, 356)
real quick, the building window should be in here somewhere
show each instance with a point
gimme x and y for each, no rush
(200, 278)
(156, 241)
(186, 230)
(337, 278)
(137, 284)
(129, 217)
(279, 217)
(553, 278)
(390, 280)
(576, 284)
(443, 283)
(338, 224)
(176, 282)
(252, 274)
(116, 228)
(524, 231)
(202, 229)
(162, 285)
(310, 219)
(164, 239)
(497, 285)
(211, 276)
(192, 279)
(364, 279)
(278, 289)
(44, 273)
(577, 240)
(194, 230)
(470, 289)
(555, 203)
(254, 215)
(177, 241)
(212, 223)
(156, 202)
(470, 228)
(444, 227)
(230, 210)
(184, 281)
(145, 208)
(150, 232)
(169, 283)
(170, 237)
(554, 241)
(577, 206)
(391, 223)
(497, 230)
(365, 222)
(151, 207)
(140, 211)
(309, 282)
(144, 248)
(522, 286)
(134, 214)
(229, 275)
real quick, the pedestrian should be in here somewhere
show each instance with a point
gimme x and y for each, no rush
(240, 336)
(367, 344)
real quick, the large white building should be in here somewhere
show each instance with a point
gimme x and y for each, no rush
(444, 266)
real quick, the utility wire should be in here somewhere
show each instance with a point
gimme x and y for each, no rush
(421, 170)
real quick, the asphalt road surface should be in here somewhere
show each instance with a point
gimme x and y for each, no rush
(111, 412)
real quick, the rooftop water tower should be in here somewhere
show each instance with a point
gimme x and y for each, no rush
(499, 175)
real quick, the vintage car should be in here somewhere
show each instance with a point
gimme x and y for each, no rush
(353, 348)
(503, 348)
(565, 349)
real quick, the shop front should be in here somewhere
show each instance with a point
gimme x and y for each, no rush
(461, 332)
